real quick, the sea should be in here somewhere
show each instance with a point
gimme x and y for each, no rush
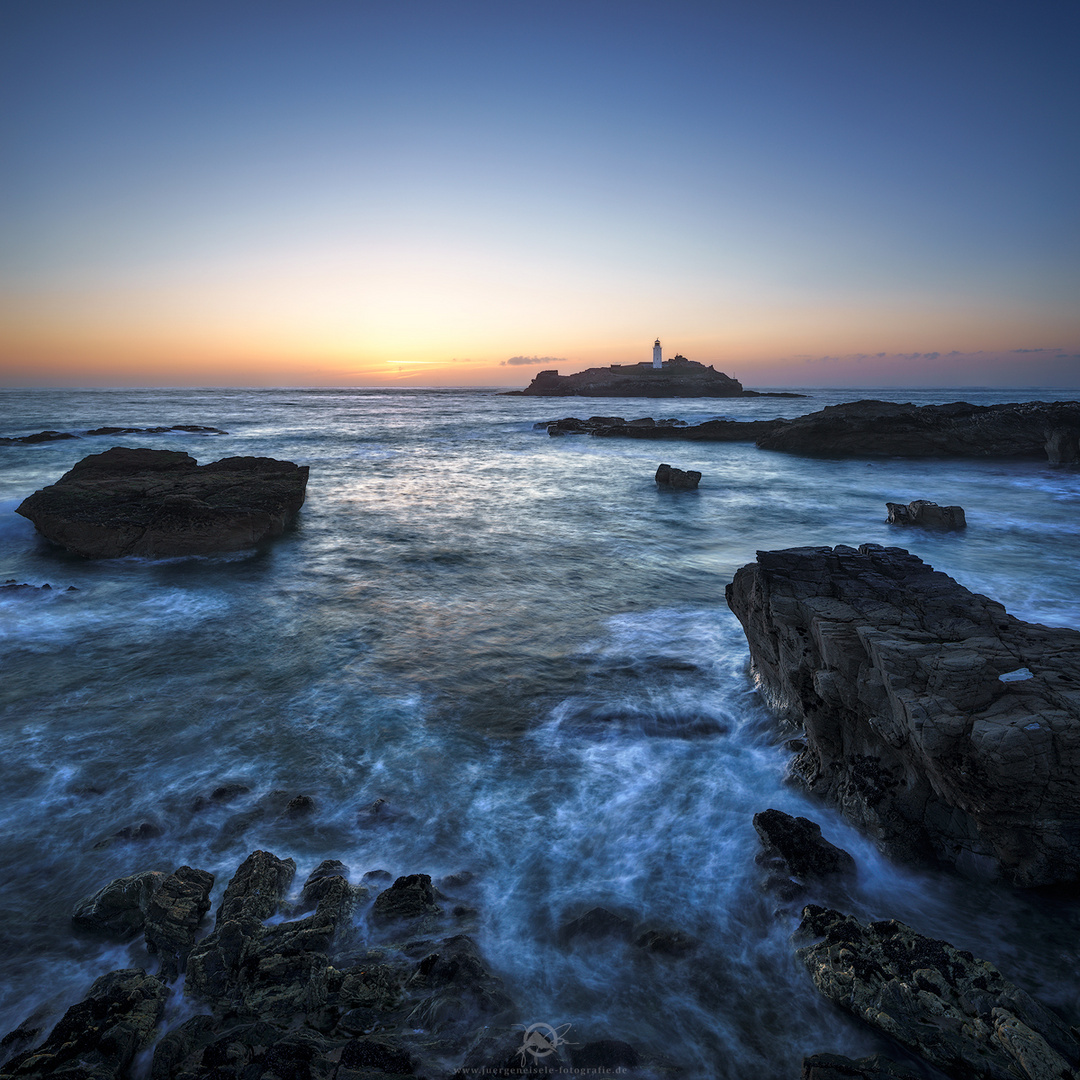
(486, 652)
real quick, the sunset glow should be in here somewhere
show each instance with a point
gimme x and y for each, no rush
(357, 194)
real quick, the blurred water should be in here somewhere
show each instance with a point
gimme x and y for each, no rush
(519, 643)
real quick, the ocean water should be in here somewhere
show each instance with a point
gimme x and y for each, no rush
(522, 646)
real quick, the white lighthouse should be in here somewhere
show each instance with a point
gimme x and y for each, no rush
(657, 361)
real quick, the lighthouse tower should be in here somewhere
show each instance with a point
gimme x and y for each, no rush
(657, 362)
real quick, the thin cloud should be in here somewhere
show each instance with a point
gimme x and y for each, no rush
(517, 361)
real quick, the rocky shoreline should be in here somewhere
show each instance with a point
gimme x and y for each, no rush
(937, 722)
(1037, 430)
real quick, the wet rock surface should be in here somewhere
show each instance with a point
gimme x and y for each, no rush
(339, 993)
(1044, 431)
(959, 1013)
(669, 476)
(926, 514)
(798, 843)
(118, 910)
(946, 728)
(159, 503)
(1039, 430)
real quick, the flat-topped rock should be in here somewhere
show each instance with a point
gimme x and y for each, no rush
(935, 720)
(160, 503)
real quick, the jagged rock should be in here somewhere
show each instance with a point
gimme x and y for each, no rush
(118, 909)
(98, 1038)
(253, 894)
(958, 1012)
(669, 476)
(320, 881)
(408, 898)
(158, 503)
(173, 916)
(928, 515)
(838, 1067)
(799, 843)
(919, 723)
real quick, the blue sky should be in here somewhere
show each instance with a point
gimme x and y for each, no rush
(361, 192)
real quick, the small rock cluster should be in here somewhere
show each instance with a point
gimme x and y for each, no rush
(334, 987)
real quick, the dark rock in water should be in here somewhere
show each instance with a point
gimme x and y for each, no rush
(145, 830)
(935, 720)
(408, 898)
(603, 1055)
(13, 585)
(463, 994)
(159, 503)
(173, 916)
(118, 909)
(798, 841)
(377, 875)
(1036, 429)
(301, 806)
(1045, 431)
(838, 1067)
(957, 1012)
(40, 437)
(927, 514)
(597, 922)
(664, 941)
(669, 476)
(98, 1038)
(678, 377)
(187, 429)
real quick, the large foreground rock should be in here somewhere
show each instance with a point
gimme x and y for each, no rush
(935, 720)
(160, 503)
(958, 1012)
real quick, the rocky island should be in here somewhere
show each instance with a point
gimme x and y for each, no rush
(943, 726)
(161, 503)
(677, 377)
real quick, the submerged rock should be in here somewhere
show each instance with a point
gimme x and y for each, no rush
(159, 503)
(927, 514)
(918, 725)
(959, 1013)
(669, 476)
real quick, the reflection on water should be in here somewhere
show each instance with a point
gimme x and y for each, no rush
(522, 647)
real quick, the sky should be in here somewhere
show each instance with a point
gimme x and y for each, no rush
(835, 192)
